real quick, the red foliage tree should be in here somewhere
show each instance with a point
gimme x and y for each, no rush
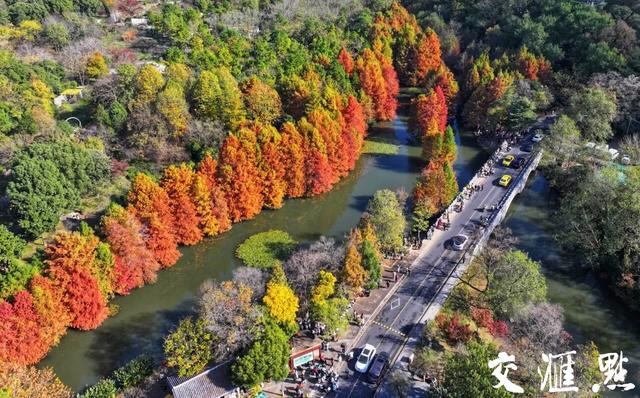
(20, 338)
(208, 169)
(346, 60)
(71, 261)
(454, 331)
(239, 175)
(150, 203)
(135, 264)
(177, 183)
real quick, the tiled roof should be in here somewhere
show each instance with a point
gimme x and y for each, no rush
(214, 382)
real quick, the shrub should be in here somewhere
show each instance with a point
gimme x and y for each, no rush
(499, 329)
(105, 388)
(454, 331)
(263, 250)
(133, 373)
(483, 317)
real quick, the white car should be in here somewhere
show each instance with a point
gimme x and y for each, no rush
(365, 358)
(537, 137)
(458, 242)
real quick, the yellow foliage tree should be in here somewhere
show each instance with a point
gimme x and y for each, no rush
(354, 274)
(174, 108)
(281, 302)
(96, 66)
(324, 288)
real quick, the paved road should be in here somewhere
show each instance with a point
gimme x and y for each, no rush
(387, 331)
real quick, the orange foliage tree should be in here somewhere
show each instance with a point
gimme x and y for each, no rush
(239, 175)
(150, 203)
(317, 168)
(346, 60)
(294, 160)
(208, 170)
(71, 265)
(271, 165)
(177, 183)
(378, 82)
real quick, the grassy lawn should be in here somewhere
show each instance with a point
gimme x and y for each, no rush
(265, 249)
(380, 146)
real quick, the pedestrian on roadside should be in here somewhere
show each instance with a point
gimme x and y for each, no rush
(409, 271)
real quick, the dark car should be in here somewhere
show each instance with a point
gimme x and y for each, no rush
(519, 162)
(378, 367)
(528, 147)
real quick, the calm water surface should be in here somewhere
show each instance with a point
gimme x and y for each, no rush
(147, 314)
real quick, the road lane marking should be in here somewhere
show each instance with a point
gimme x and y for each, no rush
(395, 303)
(396, 331)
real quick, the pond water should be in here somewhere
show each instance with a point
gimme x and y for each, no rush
(591, 313)
(147, 314)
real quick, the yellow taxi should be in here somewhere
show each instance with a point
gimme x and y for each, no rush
(506, 162)
(505, 180)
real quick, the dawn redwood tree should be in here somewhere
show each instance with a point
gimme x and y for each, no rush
(20, 339)
(294, 159)
(70, 261)
(346, 60)
(330, 131)
(48, 303)
(150, 203)
(239, 175)
(446, 81)
(430, 191)
(135, 264)
(208, 169)
(427, 56)
(177, 183)
(317, 168)
(375, 79)
(354, 274)
(201, 197)
(272, 165)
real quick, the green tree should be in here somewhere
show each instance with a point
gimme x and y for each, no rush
(563, 144)
(206, 95)
(371, 263)
(388, 219)
(512, 282)
(593, 110)
(57, 34)
(15, 275)
(11, 246)
(333, 313)
(38, 193)
(188, 348)
(231, 106)
(467, 373)
(266, 359)
(596, 219)
(449, 148)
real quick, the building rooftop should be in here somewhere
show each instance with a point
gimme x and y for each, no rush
(212, 383)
